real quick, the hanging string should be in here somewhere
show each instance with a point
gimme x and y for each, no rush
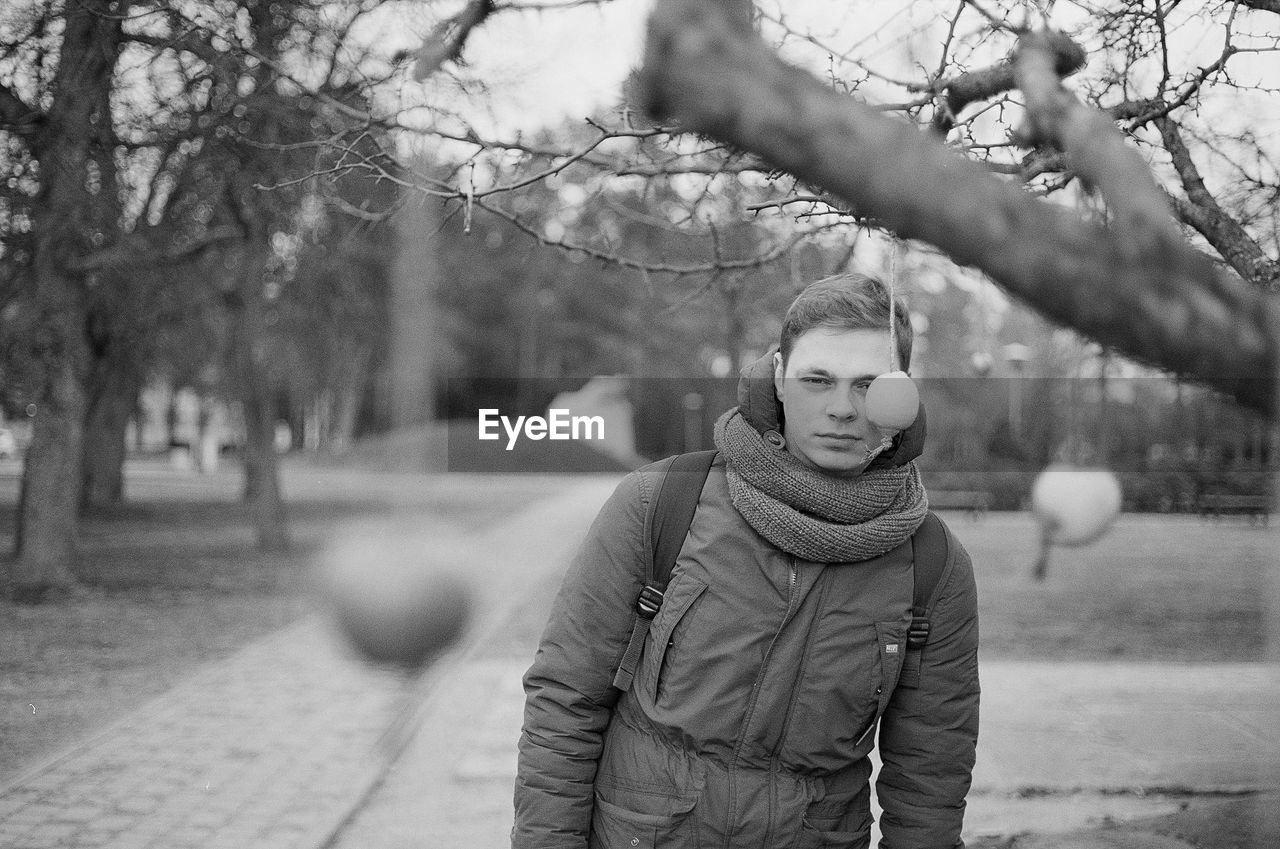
(893, 307)
(984, 314)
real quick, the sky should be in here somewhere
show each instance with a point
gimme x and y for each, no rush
(553, 66)
(544, 67)
(540, 68)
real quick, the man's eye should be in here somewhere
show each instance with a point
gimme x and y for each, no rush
(815, 381)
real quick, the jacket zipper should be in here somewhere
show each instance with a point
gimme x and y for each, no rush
(791, 592)
(793, 580)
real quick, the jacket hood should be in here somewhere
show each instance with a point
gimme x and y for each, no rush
(758, 403)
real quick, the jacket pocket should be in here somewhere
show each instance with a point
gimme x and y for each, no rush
(891, 642)
(663, 637)
(891, 645)
(839, 820)
(637, 820)
(812, 837)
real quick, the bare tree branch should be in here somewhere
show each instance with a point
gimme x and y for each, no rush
(781, 22)
(995, 20)
(818, 205)
(717, 265)
(1159, 108)
(708, 169)
(1137, 288)
(1203, 212)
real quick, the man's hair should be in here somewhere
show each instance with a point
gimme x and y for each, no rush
(850, 301)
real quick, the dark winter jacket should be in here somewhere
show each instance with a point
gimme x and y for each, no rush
(755, 705)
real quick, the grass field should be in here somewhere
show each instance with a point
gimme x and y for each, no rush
(172, 581)
(1161, 588)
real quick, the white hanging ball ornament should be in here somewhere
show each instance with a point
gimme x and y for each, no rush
(394, 602)
(893, 402)
(1075, 505)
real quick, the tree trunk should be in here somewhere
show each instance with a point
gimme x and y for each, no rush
(413, 325)
(61, 216)
(47, 513)
(113, 400)
(249, 363)
(261, 469)
(348, 384)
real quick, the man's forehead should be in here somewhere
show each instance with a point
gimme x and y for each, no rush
(841, 352)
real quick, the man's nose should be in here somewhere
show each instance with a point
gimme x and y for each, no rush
(841, 405)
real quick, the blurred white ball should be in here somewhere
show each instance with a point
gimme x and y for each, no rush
(394, 599)
(893, 401)
(1075, 505)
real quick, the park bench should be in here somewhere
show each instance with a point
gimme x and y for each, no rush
(1217, 504)
(977, 502)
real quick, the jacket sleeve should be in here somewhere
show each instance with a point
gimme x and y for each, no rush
(568, 690)
(929, 734)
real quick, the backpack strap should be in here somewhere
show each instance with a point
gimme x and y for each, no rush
(929, 558)
(671, 514)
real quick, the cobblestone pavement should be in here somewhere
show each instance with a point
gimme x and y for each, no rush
(267, 748)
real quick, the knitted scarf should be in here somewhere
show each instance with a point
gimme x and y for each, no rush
(817, 517)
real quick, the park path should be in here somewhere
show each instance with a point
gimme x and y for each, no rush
(277, 745)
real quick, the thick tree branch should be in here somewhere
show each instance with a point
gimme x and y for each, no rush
(137, 250)
(1203, 212)
(1134, 289)
(1263, 5)
(446, 41)
(192, 39)
(17, 116)
(1093, 148)
(985, 83)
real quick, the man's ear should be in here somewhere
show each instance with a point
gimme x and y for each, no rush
(778, 371)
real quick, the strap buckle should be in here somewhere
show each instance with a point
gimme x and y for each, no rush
(918, 634)
(649, 602)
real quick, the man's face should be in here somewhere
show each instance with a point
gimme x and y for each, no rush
(823, 393)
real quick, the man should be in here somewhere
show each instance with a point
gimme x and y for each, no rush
(777, 650)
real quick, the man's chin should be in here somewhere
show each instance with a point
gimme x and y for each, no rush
(837, 463)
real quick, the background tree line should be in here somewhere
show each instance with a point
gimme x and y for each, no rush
(203, 189)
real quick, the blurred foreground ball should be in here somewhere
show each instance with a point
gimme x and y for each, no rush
(392, 600)
(893, 401)
(1075, 505)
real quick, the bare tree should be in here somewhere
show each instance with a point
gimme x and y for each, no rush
(971, 147)
(101, 154)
